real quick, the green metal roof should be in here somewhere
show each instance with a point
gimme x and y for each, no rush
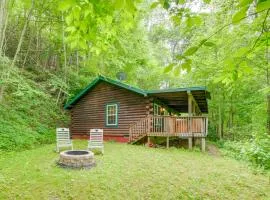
(128, 87)
(175, 90)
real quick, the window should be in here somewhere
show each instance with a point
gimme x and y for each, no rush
(157, 109)
(112, 114)
(160, 110)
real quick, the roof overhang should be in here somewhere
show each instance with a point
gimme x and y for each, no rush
(178, 98)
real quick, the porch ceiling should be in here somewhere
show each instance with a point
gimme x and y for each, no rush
(178, 99)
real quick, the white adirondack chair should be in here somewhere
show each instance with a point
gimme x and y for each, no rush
(63, 138)
(96, 140)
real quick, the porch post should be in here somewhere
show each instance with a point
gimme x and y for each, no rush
(194, 105)
(189, 103)
(189, 120)
(148, 141)
(190, 142)
(130, 137)
(203, 144)
(168, 142)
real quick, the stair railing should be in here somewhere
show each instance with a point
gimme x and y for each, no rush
(139, 129)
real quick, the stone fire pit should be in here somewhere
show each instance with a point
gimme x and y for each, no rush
(77, 159)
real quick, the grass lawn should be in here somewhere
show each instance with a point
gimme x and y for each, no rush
(129, 172)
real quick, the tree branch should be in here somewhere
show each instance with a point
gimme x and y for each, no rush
(226, 25)
(262, 31)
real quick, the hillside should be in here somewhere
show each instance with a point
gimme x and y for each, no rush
(29, 111)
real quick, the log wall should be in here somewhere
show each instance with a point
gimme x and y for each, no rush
(89, 112)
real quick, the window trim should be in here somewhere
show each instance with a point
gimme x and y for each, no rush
(157, 108)
(116, 115)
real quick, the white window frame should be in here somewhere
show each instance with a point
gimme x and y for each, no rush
(116, 114)
(157, 109)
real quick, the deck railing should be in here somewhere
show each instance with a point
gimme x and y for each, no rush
(194, 126)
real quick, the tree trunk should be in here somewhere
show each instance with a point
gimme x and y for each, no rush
(3, 26)
(267, 75)
(268, 114)
(3, 22)
(219, 122)
(77, 61)
(1, 93)
(6, 76)
(2, 16)
(37, 45)
(27, 52)
(65, 56)
(22, 34)
(64, 46)
(267, 79)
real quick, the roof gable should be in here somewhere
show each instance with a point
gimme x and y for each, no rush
(107, 80)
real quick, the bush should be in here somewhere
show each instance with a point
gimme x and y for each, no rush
(233, 149)
(256, 150)
(212, 134)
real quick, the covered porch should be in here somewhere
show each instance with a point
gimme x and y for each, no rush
(181, 113)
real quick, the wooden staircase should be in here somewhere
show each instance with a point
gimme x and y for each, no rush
(139, 130)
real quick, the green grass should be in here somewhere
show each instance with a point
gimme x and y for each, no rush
(129, 172)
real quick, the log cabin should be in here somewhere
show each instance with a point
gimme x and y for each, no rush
(128, 114)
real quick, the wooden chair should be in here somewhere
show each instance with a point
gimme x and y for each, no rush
(96, 140)
(63, 138)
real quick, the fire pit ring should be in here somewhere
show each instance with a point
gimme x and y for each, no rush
(77, 159)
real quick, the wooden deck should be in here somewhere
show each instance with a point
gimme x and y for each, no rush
(168, 126)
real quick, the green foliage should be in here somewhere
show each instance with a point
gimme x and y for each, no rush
(206, 1)
(263, 5)
(212, 134)
(28, 113)
(209, 44)
(154, 5)
(259, 151)
(240, 15)
(228, 55)
(191, 51)
(66, 4)
(169, 68)
(233, 149)
(94, 25)
(256, 150)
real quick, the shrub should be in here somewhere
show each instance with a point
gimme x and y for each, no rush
(255, 150)
(258, 151)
